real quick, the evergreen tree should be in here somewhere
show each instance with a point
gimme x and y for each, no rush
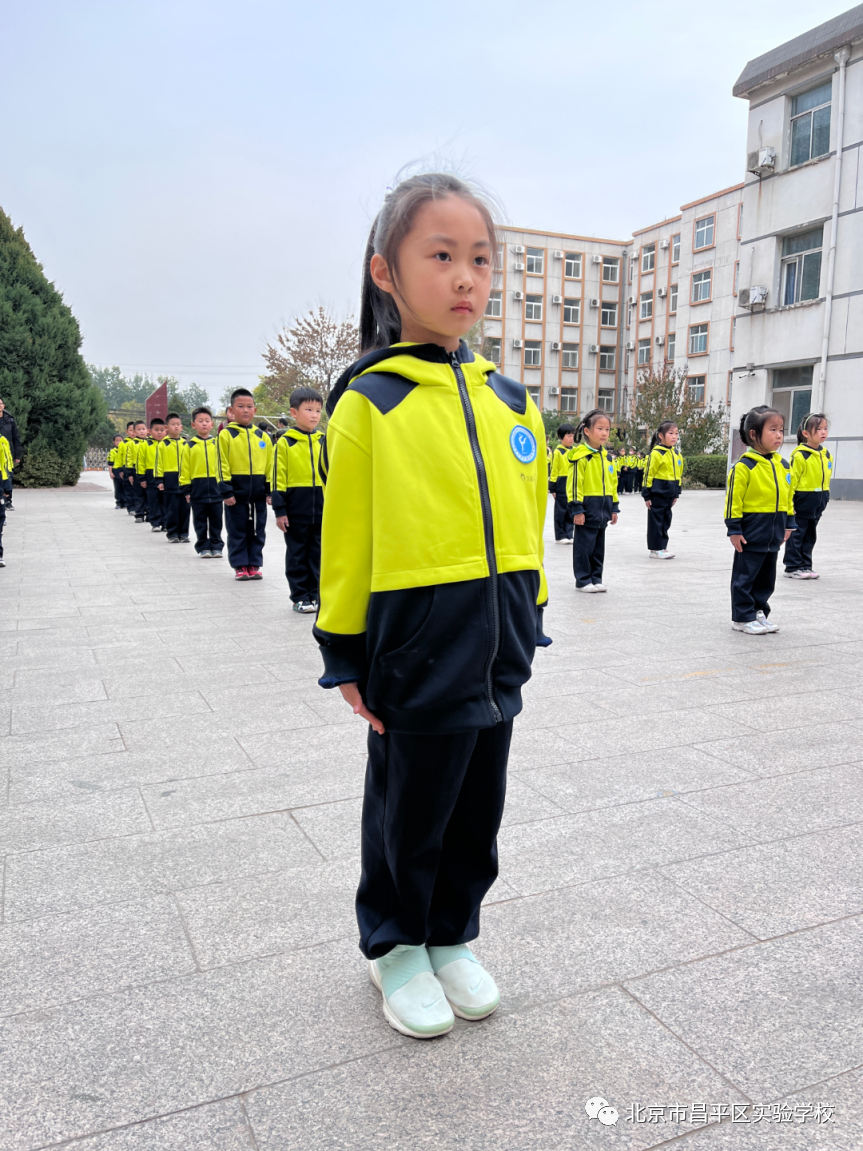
(43, 379)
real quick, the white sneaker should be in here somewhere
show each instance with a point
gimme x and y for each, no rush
(753, 627)
(205, 555)
(765, 622)
(471, 991)
(796, 575)
(600, 587)
(568, 542)
(662, 555)
(414, 1001)
(589, 588)
(808, 573)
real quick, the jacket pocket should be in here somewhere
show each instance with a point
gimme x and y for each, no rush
(518, 627)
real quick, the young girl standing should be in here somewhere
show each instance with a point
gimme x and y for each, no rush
(429, 593)
(661, 487)
(591, 489)
(759, 517)
(811, 472)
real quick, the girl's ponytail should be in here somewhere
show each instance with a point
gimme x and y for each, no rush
(380, 322)
(662, 430)
(753, 422)
(810, 423)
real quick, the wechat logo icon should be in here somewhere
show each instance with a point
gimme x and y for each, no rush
(601, 1109)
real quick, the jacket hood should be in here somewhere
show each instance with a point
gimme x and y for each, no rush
(583, 449)
(299, 434)
(758, 457)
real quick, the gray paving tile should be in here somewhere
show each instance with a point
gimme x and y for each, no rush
(36, 687)
(324, 746)
(45, 747)
(817, 706)
(34, 826)
(524, 803)
(65, 879)
(217, 1127)
(771, 751)
(334, 828)
(46, 962)
(774, 1017)
(143, 707)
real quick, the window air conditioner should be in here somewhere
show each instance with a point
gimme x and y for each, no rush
(761, 162)
(519, 249)
(596, 259)
(662, 293)
(594, 302)
(660, 340)
(633, 300)
(555, 346)
(594, 348)
(752, 297)
(663, 244)
(630, 346)
(516, 343)
(553, 391)
(558, 253)
(518, 295)
(557, 299)
(519, 267)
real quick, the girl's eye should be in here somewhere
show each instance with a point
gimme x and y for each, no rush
(481, 261)
(442, 256)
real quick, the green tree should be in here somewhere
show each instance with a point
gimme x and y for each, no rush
(664, 394)
(119, 389)
(43, 378)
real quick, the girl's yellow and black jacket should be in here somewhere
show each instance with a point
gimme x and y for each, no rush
(246, 460)
(560, 469)
(431, 570)
(297, 487)
(591, 486)
(662, 475)
(811, 472)
(758, 501)
(6, 459)
(200, 470)
(167, 470)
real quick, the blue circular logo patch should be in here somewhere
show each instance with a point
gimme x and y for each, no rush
(611, 469)
(262, 443)
(523, 444)
(788, 476)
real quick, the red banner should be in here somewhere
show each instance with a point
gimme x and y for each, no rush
(157, 404)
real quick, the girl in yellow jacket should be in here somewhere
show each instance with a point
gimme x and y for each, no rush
(811, 472)
(591, 489)
(661, 488)
(430, 593)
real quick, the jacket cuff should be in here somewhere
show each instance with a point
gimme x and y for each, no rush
(575, 509)
(615, 507)
(735, 527)
(344, 657)
(278, 504)
(790, 522)
(542, 640)
(225, 490)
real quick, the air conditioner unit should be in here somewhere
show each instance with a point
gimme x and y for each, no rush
(557, 253)
(633, 300)
(554, 391)
(594, 302)
(519, 249)
(762, 161)
(556, 345)
(516, 343)
(596, 259)
(557, 299)
(662, 293)
(519, 267)
(752, 297)
(663, 244)
(660, 340)
(518, 295)
(593, 349)
(630, 346)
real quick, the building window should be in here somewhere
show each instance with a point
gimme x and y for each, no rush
(569, 357)
(610, 269)
(701, 286)
(608, 317)
(643, 352)
(670, 345)
(571, 311)
(736, 275)
(491, 349)
(739, 221)
(607, 358)
(535, 260)
(501, 255)
(494, 307)
(810, 123)
(697, 339)
(568, 400)
(533, 307)
(704, 232)
(532, 353)
(792, 395)
(801, 266)
(733, 331)
(695, 388)
(672, 298)
(605, 399)
(646, 309)
(675, 249)
(572, 265)
(534, 395)
(648, 257)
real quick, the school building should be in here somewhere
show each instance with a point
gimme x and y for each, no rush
(751, 289)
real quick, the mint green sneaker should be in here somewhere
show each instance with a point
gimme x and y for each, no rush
(471, 991)
(414, 1001)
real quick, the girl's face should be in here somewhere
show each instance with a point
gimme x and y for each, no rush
(772, 435)
(599, 433)
(444, 273)
(816, 439)
(670, 438)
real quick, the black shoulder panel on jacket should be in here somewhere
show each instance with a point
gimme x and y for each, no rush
(784, 463)
(750, 463)
(385, 390)
(233, 432)
(513, 394)
(290, 441)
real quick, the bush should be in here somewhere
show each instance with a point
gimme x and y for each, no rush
(710, 471)
(46, 469)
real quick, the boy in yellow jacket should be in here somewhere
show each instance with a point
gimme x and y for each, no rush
(298, 497)
(246, 462)
(199, 484)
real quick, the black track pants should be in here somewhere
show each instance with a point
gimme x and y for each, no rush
(177, 512)
(207, 518)
(246, 525)
(588, 554)
(119, 490)
(431, 812)
(562, 520)
(753, 577)
(658, 525)
(303, 560)
(798, 549)
(155, 503)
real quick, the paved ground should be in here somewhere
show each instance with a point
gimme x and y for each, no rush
(678, 920)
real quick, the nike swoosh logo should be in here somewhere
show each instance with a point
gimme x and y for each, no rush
(433, 1003)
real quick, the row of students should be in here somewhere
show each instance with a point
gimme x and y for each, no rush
(163, 479)
(630, 470)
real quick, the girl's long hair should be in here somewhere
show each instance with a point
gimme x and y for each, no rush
(587, 422)
(753, 423)
(810, 423)
(380, 321)
(662, 430)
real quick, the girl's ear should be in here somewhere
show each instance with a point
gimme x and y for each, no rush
(380, 273)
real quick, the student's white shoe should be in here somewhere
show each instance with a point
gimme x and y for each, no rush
(662, 555)
(205, 555)
(414, 1001)
(569, 541)
(765, 622)
(808, 573)
(600, 587)
(471, 991)
(588, 587)
(753, 627)
(561, 541)
(796, 575)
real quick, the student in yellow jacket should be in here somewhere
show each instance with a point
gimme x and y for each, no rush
(6, 464)
(176, 507)
(137, 495)
(759, 518)
(119, 469)
(149, 460)
(811, 472)
(200, 472)
(298, 497)
(560, 469)
(661, 488)
(431, 581)
(591, 490)
(246, 460)
(114, 454)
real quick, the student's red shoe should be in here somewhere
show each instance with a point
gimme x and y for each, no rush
(242, 574)
(254, 573)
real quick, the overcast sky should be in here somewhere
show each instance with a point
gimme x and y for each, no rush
(191, 174)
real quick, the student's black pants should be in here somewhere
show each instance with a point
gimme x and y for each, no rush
(139, 496)
(639, 476)
(303, 560)
(431, 812)
(120, 486)
(246, 524)
(588, 554)
(3, 498)
(562, 521)
(627, 480)
(176, 515)
(207, 518)
(798, 549)
(155, 503)
(753, 577)
(658, 524)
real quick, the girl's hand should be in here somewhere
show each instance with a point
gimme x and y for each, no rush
(614, 517)
(230, 501)
(282, 523)
(579, 520)
(351, 694)
(647, 503)
(737, 542)
(188, 499)
(789, 532)
(673, 502)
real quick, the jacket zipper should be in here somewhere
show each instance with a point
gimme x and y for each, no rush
(487, 524)
(314, 486)
(775, 483)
